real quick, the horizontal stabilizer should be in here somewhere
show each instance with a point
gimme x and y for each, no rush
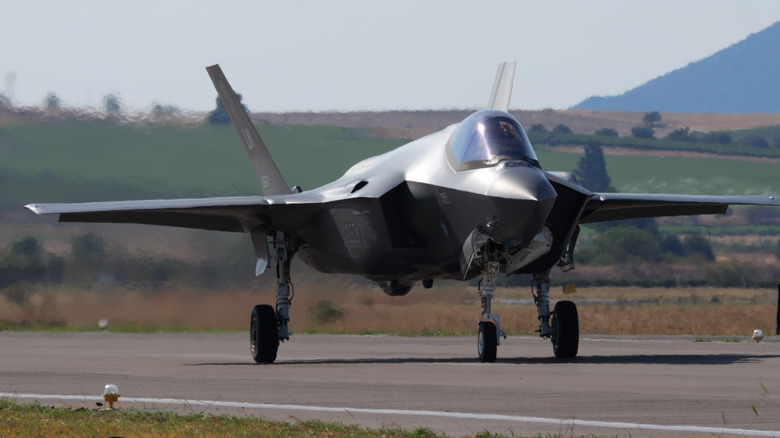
(271, 179)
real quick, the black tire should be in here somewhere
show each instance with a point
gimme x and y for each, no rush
(487, 341)
(566, 330)
(263, 334)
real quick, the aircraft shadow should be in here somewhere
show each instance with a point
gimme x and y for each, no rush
(651, 359)
(648, 359)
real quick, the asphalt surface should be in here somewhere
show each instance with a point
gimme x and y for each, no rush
(638, 386)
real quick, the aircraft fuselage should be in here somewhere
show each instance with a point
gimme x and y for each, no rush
(416, 230)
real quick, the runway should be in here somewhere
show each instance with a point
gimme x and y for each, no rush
(639, 386)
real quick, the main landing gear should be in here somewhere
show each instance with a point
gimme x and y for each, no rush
(269, 327)
(562, 326)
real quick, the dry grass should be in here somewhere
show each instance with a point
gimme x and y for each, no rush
(452, 308)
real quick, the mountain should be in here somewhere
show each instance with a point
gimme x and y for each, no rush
(743, 78)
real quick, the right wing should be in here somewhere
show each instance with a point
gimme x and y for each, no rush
(235, 213)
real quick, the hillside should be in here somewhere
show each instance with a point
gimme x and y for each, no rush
(739, 79)
(409, 125)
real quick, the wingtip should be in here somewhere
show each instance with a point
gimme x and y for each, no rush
(35, 208)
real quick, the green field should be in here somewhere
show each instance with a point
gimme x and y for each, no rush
(69, 161)
(694, 176)
(97, 160)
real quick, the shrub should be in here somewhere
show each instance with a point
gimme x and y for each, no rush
(562, 129)
(642, 132)
(671, 245)
(697, 244)
(323, 312)
(606, 132)
(651, 118)
(536, 127)
(621, 245)
(681, 134)
(16, 295)
(731, 274)
(757, 141)
(717, 137)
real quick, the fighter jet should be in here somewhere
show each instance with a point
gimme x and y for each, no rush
(469, 201)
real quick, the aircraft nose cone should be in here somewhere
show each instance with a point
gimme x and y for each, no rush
(523, 198)
(522, 182)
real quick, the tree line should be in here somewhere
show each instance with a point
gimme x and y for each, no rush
(644, 133)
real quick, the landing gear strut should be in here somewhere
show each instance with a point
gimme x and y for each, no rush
(268, 326)
(284, 255)
(563, 329)
(490, 324)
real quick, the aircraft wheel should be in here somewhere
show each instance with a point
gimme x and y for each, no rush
(263, 334)
(566, 330)
(487, 341)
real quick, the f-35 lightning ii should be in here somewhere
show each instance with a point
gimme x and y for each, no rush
(469, 201)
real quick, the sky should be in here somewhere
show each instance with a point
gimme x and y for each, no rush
(351, 55)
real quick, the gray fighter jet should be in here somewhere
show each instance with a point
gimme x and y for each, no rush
(469, 201)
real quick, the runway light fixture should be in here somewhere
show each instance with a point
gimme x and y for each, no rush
(110, 395)
(758, 335)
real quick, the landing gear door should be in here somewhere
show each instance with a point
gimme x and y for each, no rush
(260, 243)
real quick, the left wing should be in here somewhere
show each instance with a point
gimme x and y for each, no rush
(604, 207)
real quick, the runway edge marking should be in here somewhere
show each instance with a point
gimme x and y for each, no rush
(459, 415)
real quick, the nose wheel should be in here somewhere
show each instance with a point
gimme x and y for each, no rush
(487, 341)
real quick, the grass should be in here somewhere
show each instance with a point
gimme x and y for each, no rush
(34, 420)
(448, 309)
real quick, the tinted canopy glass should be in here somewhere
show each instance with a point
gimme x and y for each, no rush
(488, 137)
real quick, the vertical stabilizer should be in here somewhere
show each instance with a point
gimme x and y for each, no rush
(270, 178)
(502, 87)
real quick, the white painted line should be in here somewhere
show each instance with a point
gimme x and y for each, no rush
(459, 415)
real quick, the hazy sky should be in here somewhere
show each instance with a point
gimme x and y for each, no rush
(356, 55)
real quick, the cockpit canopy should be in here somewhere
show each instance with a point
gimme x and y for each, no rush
(488, 137)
